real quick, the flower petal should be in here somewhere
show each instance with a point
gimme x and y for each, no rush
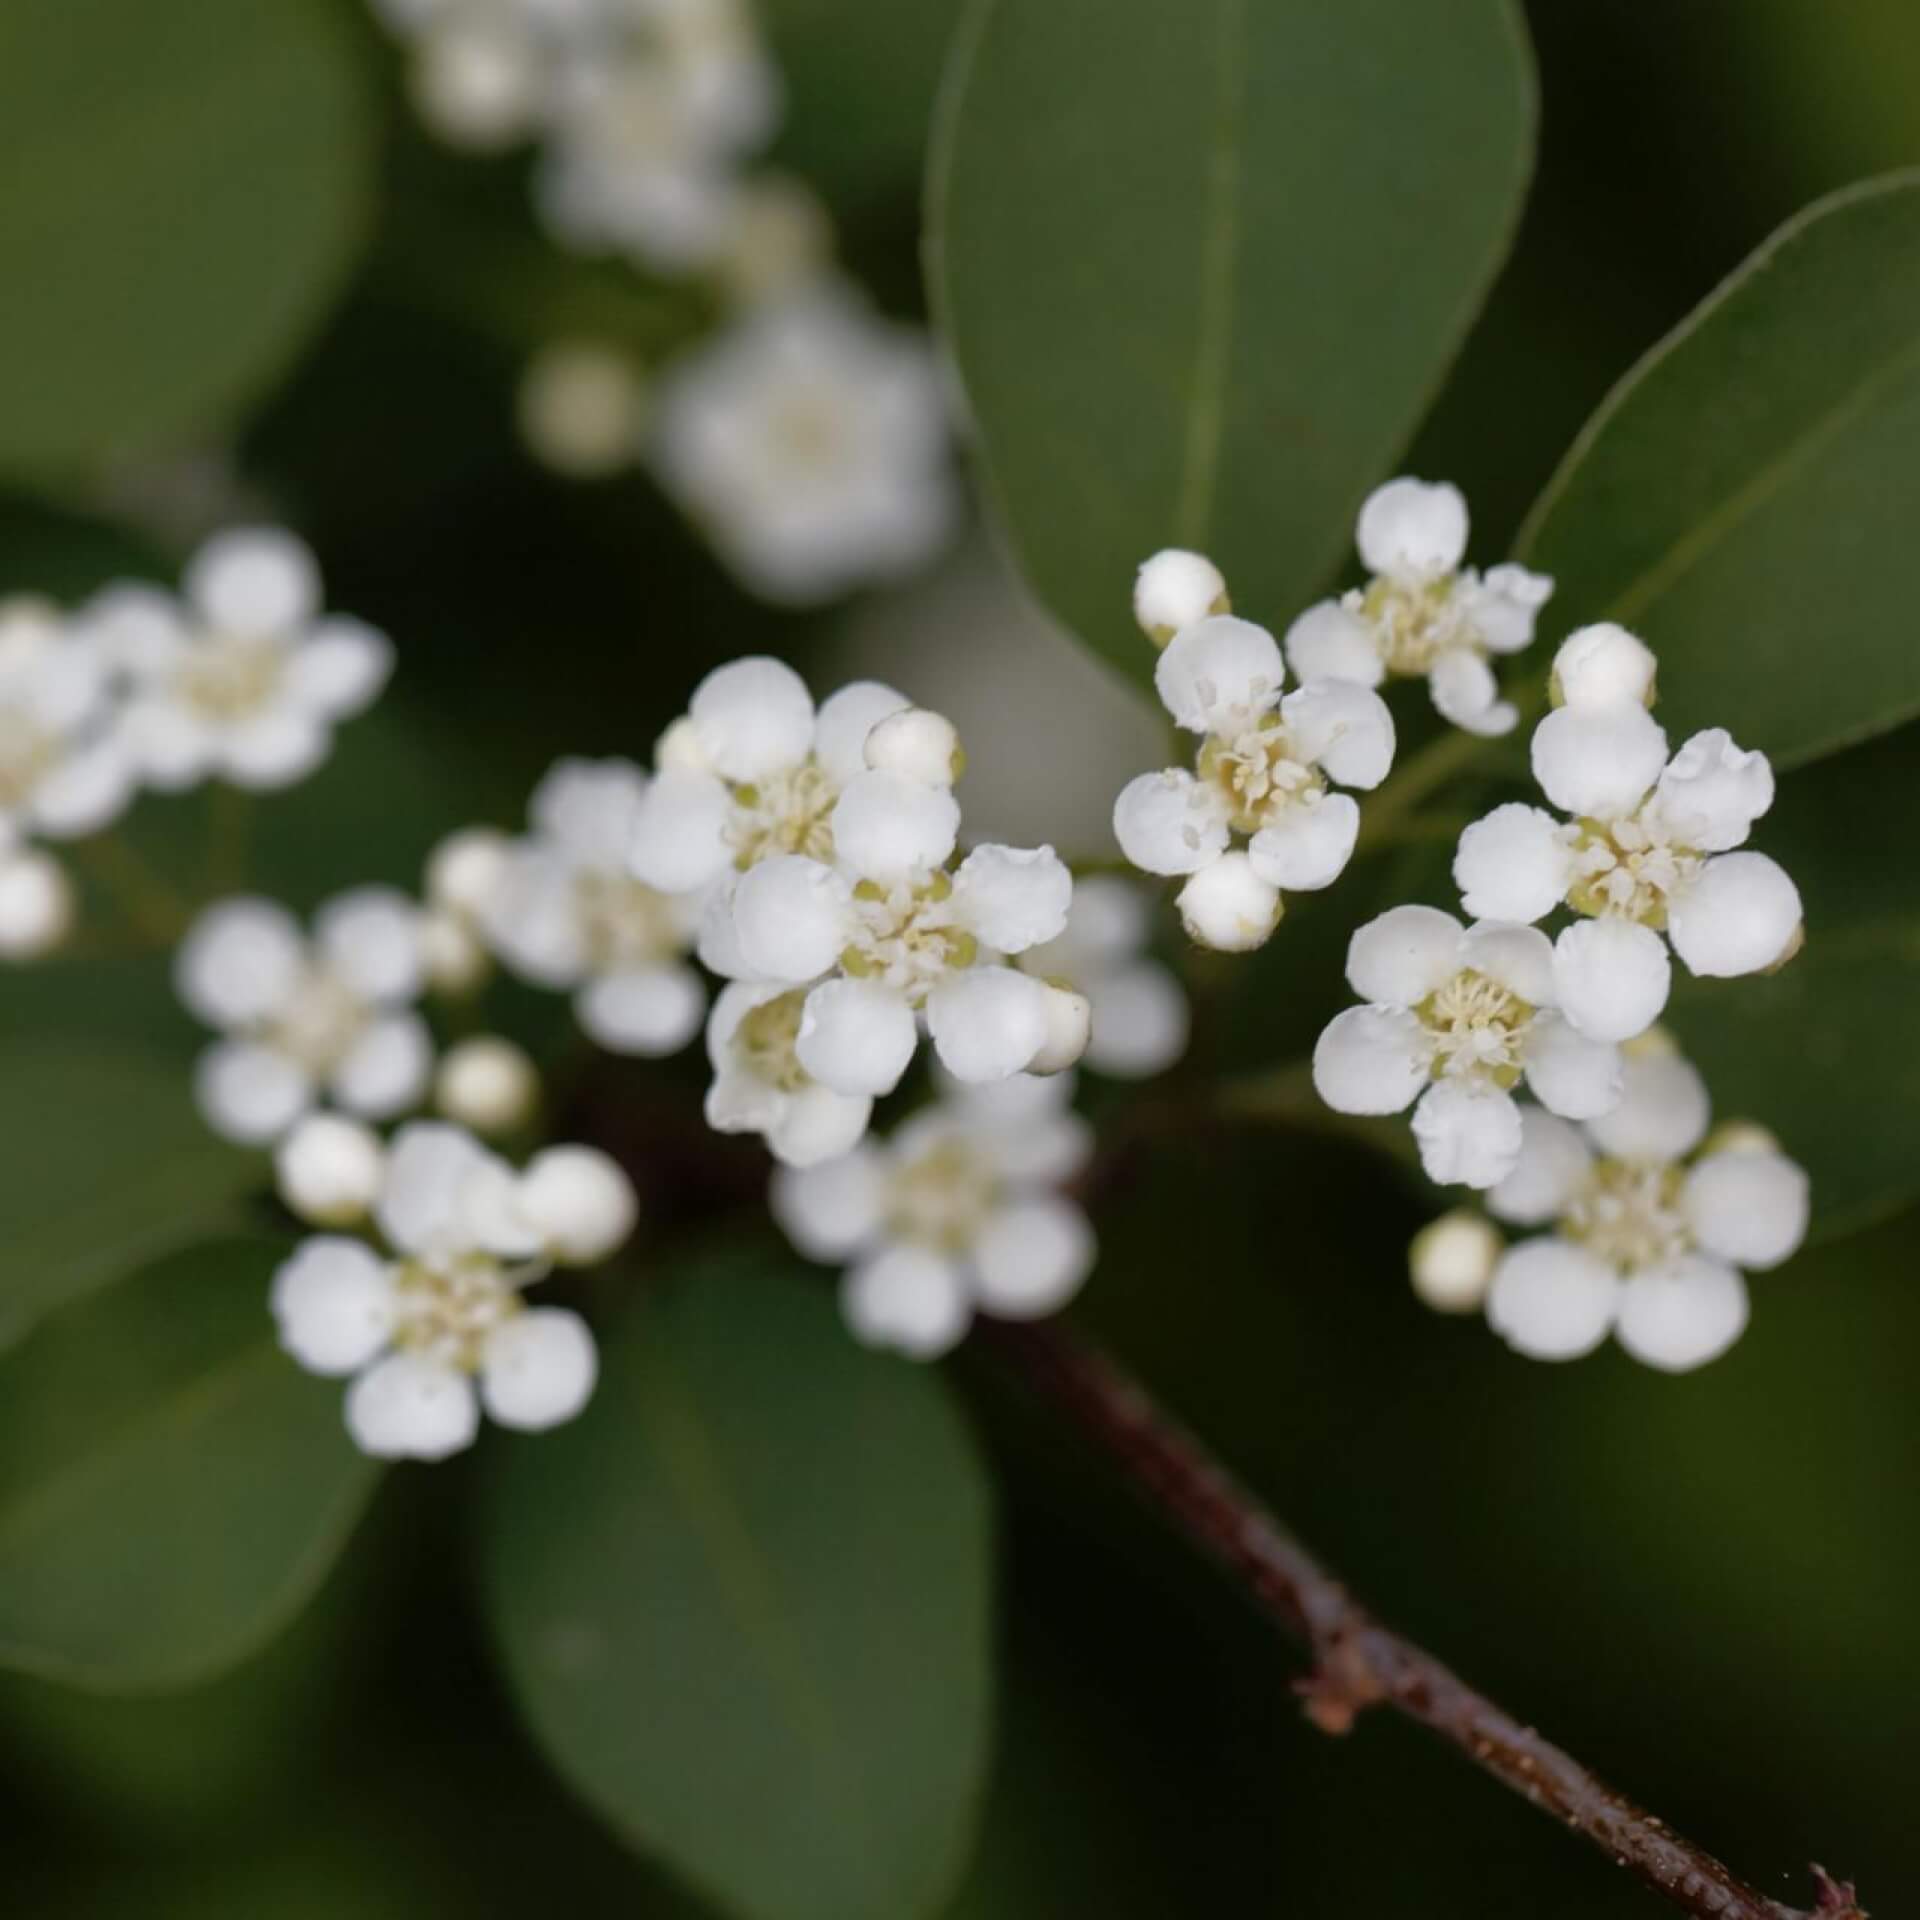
(1683, 1313)
(1402, 955)
(1662, 1113)
(1331, 642)
(339, 669)
(1611, 977)
(1219, 674)
(538, 1369)
(1013, 897)
(791, 917)
(1467, 695)
(1741, 915)
(1515, 864)
(1371, 1060)
(856, 1036)
(1032, 1257)
(1346, 729)
(1412, 529)
(407, 1407)
(845, 719)
(254, 580)
(645, 1011)
(754, 717)
(908, 1300)
(1570, 1075)
(1553, 1165)
(1308, 847)
(987, 1022)
(370, 940)
(240, 962)
(387, 1069)
(1599, 761)
(1168, 823)
(1750, 1208)
(887, 827)
(834, 1208)
(1468, 1136)
(333, 1304)
(817, 1124)
(1553, 1301)
(679, 832)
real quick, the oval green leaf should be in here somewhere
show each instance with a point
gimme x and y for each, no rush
(184, 192)
(1744, 497)
(103, 1163)
(172, 1486)
(744, 1604)
(1203, 267)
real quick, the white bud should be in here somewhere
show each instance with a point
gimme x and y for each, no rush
(918, 745)
(329, 1169)
(487, 1084)
(1173, 590)
(1228, 906)
(465, 870)
(1452, 1260)
(1069, 1024)
(583, 410)
(579, 1203)
(1600, 665)
(453, 956)
(36, 905)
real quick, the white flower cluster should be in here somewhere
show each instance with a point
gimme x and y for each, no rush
(431, 1322)
(1647, 848)
(1265, 770)
(1423, 613)
(822, 844)
(238, 678)
(958, 1212)
(1456, 1018)
(644, 109)
(1651, 1221)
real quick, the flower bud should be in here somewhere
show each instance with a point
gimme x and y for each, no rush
(1452, 1260)
(918, 745)
(487, 1084)
(579, 1202)
(329, 1169)
(1600, 665)
(1228, 906)
(1173, 590)
(36, 905)
(1069, 1024)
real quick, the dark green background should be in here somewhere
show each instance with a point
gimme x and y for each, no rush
(1705, 1586)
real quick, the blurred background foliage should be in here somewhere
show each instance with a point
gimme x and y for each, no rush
(1700, 1585)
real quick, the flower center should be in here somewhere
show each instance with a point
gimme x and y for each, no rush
(227, 677)
(320, 1024)
(27, 755)
(1629, 867)
(1260, 773)
(446, 1305)
(1478, 1028)
(1413, 625)
(942, 1197)
(624, 922)
(1629, 1213)
(789, 812)
(905, 936)
(763, 1043)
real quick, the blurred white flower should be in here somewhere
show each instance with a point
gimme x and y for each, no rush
(958, 1212)
(1139, 1008)
(304, 1021)
(464, 874)
(1455, 1018)
(487, 1084)
(759, 1085)
(434, 1326)
(1649, 1230)
(566, 912)
(810, 443)
(777, 240)
(63, 771)
(1646, 849)
(242, 679)
(36, 903)
(1423, 612)
(1263, 771)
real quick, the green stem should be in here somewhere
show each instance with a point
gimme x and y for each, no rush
(148, 901)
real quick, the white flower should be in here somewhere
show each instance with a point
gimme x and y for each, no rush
(63, 772)
(1264, 770)
(243, 679)
(479, 76)
(886, 936)
(1423, 612)
(778, 238)
(464, 875)
(1452, 1260)
(759, 1085)
(1177, 589)
(1140, 1017)
(329, 1169)
(435, 1327)
(1455, 1018)
(1646, 849)
(1650, 1233)
(809, 441)
(566, 912)
(330, 1018)
(957, 1213)
(749, 771)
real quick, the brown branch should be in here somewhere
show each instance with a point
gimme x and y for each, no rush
(1359, 1663)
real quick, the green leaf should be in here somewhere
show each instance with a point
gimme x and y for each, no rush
(1822, 1052)
(172, 1486)
(1203, 266)
(184, 193)
(1744, 497)
(103, 1163)
(744, 1604)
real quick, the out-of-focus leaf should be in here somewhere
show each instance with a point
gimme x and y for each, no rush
(744, 1604)
(1203, 266)
(1744, 496)
(860, 85)
(1827, 1051)
(182, 198)
(172, 1486)
(103, 1163)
